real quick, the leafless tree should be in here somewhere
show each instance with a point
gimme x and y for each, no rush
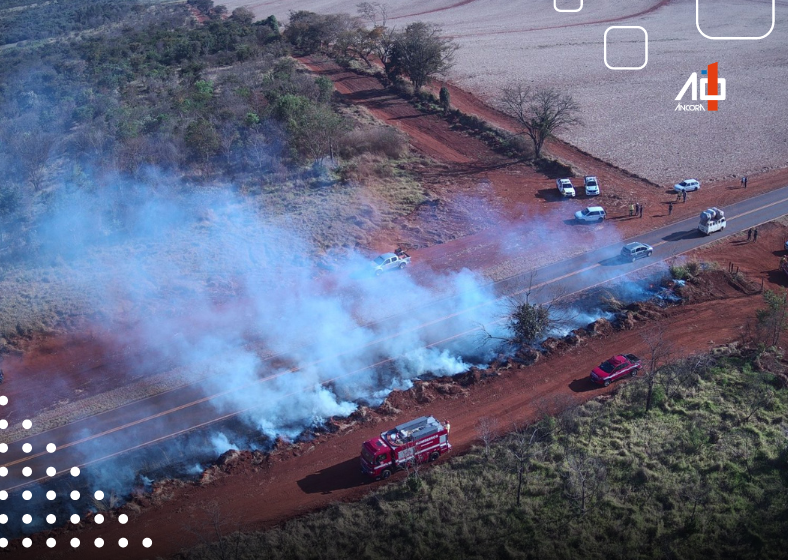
(585, 478)
(540, 111)
(695, 494)
(527, 446)
(757, 396)
(376, 13)
(659, 351)
(228, 137)
(212, 531)
(682, 373)
(33, 148)
(487, 428)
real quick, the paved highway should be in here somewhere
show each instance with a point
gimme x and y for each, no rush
(166, 415)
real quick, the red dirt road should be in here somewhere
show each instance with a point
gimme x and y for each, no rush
(312, 475)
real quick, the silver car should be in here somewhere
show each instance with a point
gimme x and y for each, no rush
(635, 251)
(687, 185)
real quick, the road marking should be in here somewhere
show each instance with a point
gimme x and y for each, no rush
(387, 360)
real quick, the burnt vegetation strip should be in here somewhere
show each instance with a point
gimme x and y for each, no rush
(704, 473)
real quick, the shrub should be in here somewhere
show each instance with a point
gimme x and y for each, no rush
(378, 140)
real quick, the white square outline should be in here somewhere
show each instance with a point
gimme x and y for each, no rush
(703, 87)
(625, 67)
(697, 24)
(555, 7)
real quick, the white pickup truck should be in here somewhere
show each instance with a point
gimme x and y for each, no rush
(565, 187)
(711, 220)
(390, 261)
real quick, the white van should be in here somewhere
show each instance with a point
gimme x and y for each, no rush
(711, 220)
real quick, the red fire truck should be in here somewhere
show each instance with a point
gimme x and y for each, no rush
(423, 439)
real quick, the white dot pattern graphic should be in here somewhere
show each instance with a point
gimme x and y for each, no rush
(51, 495)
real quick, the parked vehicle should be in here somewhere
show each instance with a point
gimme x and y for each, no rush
(390, 261)
(565, 187)
(711, 220)
(590, 214)
(687, 185)
(635, 251)
(615, 368)
(591, 185)
(420, 440)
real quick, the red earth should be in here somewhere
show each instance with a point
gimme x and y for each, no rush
(309, 476)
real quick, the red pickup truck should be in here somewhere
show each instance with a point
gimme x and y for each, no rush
(615, 367)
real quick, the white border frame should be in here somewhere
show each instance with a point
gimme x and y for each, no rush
(643, 29)
(697, 24)
(555, 7)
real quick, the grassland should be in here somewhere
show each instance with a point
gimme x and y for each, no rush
(704, 474)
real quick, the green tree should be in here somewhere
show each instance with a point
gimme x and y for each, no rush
(202, 139)
(242, 15)
(541, 111)
(445, 99)
(421, 53)
(325, 87)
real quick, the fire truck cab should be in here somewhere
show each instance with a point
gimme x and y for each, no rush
(420, 440)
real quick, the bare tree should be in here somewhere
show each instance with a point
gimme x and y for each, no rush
(659, 351)
(681, 373)
(33, 149)
(486, 428)
(757, 396)
(695, 494)
(540, 111)
(585, 477)
(375, 13)
(526, 448)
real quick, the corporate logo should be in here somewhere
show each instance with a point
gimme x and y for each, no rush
(712, 90)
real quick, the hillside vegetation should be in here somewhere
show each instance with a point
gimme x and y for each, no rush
(121, 104)
(704, 474)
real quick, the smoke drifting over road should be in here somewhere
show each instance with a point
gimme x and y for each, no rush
(207, 285)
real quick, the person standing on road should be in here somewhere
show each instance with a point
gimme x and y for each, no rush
(749, 234)
(631, 210)
(745, 181)
(684, 196)
(641, 210)
(670, 208)
(755, 234)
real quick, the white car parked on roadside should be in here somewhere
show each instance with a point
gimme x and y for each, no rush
(591, 185)
(687, 185)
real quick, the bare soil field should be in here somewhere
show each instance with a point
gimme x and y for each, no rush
(630, 115)
(250, 492)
